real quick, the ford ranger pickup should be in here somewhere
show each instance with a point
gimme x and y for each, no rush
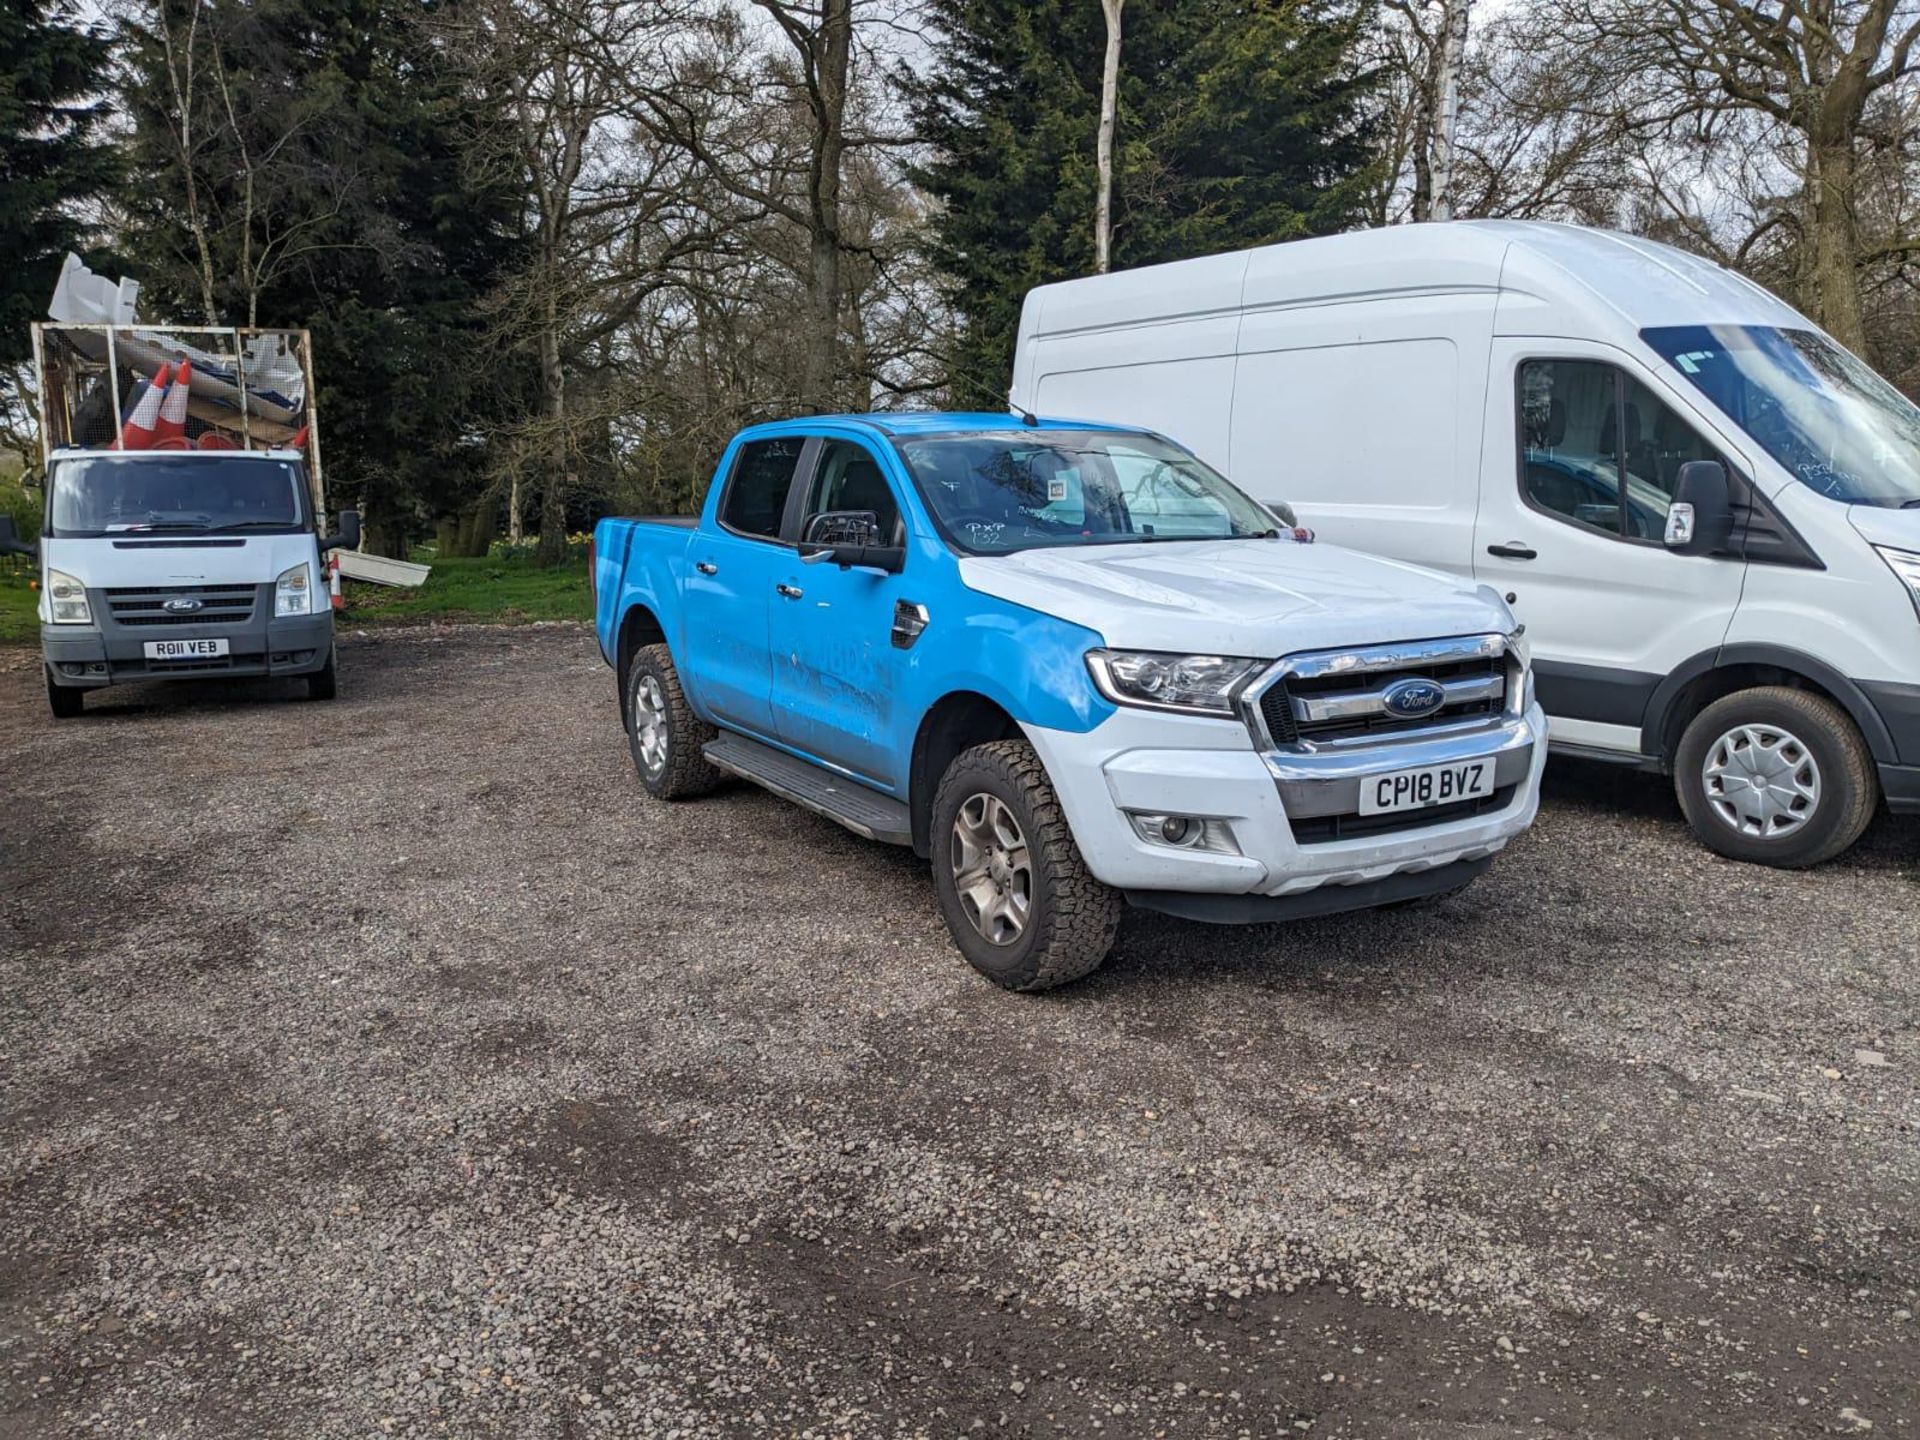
(1074, 668)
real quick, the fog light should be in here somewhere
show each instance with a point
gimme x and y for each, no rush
(1186, 832)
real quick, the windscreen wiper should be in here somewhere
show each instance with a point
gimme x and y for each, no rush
(257, 525)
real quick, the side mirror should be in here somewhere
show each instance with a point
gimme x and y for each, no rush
(10, 541)
(32, 479)
(349, 536)
(850, 538)
(1700, 520)
(1283, 512)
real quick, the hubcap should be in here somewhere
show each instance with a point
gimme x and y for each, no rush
(1761, 781)
(650, 723)
(992, 870)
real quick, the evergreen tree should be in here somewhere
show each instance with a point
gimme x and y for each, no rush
(52, 161)
(1241, 122)
(325, 185)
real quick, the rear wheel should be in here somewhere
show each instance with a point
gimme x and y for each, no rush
(1776, 776)
(664, 736)
(66, 701)
(1016, 894)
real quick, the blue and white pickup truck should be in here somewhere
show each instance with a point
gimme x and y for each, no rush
(1073, 667)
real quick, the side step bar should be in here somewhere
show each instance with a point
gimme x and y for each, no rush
(863, 811)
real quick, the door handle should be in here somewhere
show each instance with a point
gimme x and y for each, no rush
(706, 567)
(1514, 550)
(792, 592)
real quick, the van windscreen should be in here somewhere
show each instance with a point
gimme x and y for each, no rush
(1824, 415)
(105, 495)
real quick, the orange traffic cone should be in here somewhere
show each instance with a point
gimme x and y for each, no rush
(137, 432)
(172, 422)
(333, 583)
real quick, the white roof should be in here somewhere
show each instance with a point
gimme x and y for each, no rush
(104, 452)
(1641, 281)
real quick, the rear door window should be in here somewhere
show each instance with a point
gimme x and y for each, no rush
(756, 498)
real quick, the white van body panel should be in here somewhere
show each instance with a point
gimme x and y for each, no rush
(1371, 380)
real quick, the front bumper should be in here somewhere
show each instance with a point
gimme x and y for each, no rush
(1285, 809)
(91, 656)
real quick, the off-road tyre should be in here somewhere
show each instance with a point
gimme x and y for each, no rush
(1849, 789)
(324, 683)
(1071, 918)
(682, 771)
(65, 701)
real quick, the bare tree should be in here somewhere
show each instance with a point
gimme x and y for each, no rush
(1819, 73)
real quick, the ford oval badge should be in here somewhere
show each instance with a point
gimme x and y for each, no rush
(1413, 697)
(181, 605)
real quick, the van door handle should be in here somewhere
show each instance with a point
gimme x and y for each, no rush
(1514, 550)
(792, 592)
(706, 567)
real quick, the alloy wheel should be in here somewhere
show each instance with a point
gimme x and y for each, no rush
(992, 868)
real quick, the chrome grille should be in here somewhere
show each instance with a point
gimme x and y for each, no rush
(146, 605)
(1335, 698)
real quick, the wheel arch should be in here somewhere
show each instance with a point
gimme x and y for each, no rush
(639, 626)
(1707, 677)
(956, 722)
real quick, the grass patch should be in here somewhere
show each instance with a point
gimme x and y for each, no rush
(506, 589)
(19, 602)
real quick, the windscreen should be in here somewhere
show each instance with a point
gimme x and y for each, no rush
(994, 492)
(1833, 423)
(191, 494)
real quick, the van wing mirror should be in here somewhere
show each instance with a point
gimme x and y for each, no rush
(10, 541)
(349, 536)
(1700, 520)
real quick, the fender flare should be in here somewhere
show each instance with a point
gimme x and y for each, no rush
(1850, 696)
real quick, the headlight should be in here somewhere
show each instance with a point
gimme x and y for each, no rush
(67, 600)
(1197, 684)
(293, 591)
(1906, 565)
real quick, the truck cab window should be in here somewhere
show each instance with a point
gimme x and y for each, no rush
(1600, 449)
(756, 497)
(849, 478)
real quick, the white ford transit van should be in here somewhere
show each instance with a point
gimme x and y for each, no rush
(1704, 510)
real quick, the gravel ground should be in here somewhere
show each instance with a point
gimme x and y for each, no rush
(396, 1066)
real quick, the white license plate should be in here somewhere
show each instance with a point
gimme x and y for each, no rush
(186, 649)
(1429, 785)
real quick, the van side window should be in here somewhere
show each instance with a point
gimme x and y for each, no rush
(1585, 427)
(756, 497)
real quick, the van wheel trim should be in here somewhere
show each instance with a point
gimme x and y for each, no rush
(1761, 781)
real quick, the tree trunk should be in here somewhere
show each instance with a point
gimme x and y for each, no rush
(467, 534)
(1833, 242)
(1446, 121)
(1103, 145)
(832, 58)
(553, 499)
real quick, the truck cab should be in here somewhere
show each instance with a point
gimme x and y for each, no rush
(1074, 668)
(167, 565)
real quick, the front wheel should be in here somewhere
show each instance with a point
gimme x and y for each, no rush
(323, 684)
(1776, 776)
(664, 736)
(1016, 894)
(66, 701)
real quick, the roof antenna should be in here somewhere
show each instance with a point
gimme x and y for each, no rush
(1027, 417)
